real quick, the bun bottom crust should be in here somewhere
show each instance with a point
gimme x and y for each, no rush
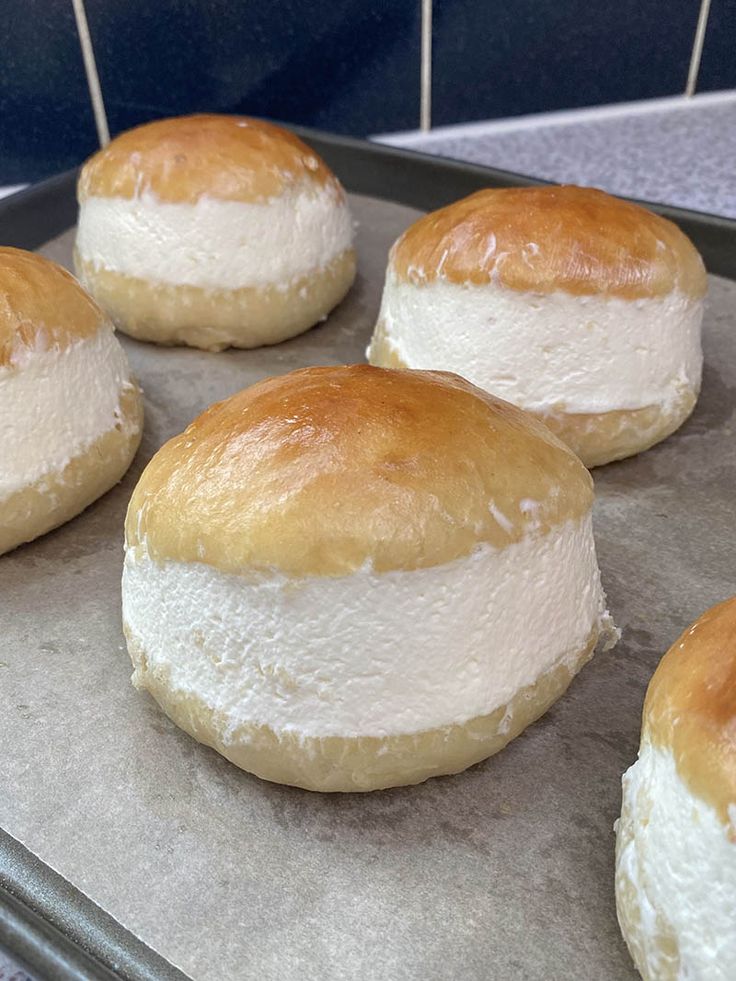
(652, 947)
(603, 437)
(596, 437)
(357, 764)
(58, 497)
(213, 319)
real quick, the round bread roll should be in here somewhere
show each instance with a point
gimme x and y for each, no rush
(570, 303)
(213, 231)
(676, 839)
(350, 578)
(70, 415)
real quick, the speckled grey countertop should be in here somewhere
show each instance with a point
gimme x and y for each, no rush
(681, 154)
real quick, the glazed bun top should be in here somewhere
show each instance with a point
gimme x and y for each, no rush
(233, 158)
(690, 707)
(42, 307)
(542, 239)
(323, 470)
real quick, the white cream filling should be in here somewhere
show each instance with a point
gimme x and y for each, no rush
(368, 654)
(215, 244)
(549, 351)
(682, 862)
(55, 403)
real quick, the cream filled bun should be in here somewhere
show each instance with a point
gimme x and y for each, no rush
(570, 303)
(213, 231)
(351, 578)
(70, 415)
(676, 839)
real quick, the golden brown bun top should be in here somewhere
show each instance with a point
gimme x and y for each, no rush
(325, 469)
(234, 158)
(691, 706)
(542, 239)
(42, 306)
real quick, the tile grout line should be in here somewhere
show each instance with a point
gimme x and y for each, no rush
(90, 67)
(425, 89)
(697, 52)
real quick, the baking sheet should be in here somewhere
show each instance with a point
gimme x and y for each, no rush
(505, 871)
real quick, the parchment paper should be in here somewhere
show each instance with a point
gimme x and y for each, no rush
(503, 872)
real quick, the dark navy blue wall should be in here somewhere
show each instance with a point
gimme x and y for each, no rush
(350, 66)
(46, 121)
(718, 66)
(498, 59)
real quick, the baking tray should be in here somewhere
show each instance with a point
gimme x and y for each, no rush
(145, 855)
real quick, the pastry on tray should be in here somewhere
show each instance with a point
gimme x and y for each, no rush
(213, 231)
(70, 414)
(570, 303)
(350, 578)
(676, 838)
